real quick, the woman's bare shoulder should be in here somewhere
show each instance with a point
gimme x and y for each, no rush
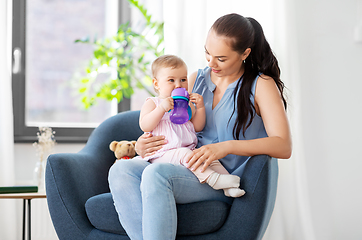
(265, 83)
(192, 79)
(266, 92)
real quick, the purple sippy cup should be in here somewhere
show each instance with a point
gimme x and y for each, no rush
(181, 111)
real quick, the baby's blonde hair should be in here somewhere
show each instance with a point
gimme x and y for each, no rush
(166, 61)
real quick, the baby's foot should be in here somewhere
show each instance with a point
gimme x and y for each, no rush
(222, 181)
(234, 192)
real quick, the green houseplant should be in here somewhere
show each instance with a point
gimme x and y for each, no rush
(124, 59)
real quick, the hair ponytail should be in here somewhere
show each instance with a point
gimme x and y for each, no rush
(248, 33)
(262, 57)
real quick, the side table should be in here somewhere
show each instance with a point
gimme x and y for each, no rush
(27, 197)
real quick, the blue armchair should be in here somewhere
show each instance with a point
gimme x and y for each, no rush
(81, 206)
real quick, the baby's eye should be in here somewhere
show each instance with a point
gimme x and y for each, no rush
(183, 80)
(171, 80)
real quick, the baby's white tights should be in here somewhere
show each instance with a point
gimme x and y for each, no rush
(229, 183)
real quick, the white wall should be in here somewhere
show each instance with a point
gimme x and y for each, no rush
(330, 87)
(26, 158)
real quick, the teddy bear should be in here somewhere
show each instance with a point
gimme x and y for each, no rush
(123, 149)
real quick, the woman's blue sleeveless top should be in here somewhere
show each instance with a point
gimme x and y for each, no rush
(219, 126)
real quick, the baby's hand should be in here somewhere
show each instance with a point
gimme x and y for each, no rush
(167, 104)
(197, 99)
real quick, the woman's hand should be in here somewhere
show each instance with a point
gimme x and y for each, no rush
(205, 155)
(147, 144)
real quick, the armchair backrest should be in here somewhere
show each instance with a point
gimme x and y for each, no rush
(123, 126)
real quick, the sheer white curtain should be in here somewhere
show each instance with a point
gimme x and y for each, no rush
(7, 207)
(292, 215)
(186, 25)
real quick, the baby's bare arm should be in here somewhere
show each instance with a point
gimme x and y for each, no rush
(150, 115)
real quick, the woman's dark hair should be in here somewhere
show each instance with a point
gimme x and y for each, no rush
(247, 33)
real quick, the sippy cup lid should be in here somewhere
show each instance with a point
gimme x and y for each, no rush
(180, 93)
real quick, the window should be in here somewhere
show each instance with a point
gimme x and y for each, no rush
(46, 58)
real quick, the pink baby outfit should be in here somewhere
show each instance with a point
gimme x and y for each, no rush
(177, 135)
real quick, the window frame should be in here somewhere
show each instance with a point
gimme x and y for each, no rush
(22, 132)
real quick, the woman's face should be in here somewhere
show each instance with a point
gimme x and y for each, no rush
(221, 58)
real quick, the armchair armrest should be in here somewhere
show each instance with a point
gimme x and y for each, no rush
(253, 210)
(72, 178)
(250, 214)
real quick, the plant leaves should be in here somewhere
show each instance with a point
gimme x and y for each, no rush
(128, 52)
(82, 40)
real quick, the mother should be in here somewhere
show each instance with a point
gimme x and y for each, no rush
(245, 110)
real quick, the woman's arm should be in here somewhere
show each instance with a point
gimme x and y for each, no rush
(269, 105)
(200, 115)
(147, 144)
(191, 81)
(278, 144)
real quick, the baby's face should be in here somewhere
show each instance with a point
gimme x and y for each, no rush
(168, 79)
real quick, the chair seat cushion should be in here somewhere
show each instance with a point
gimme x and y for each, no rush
(193, 218)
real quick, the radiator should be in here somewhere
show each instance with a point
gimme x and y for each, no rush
(41, 223)
(42, 226)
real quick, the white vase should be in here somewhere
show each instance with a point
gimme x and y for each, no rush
(39, 175)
